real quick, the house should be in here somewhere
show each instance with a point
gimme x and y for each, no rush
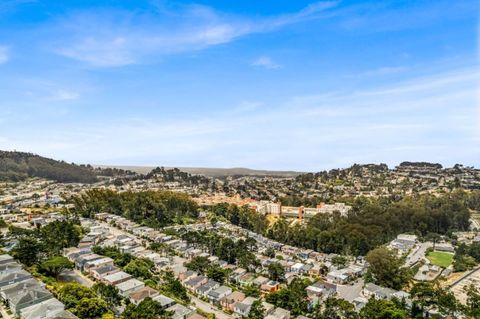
(24, 298)
(268, 307)
(279, 313)
(14, 277)
(127, 287)
(260, 280)
(164, 301)
(99, 272)
(179, 311)
(404, 242)
(243, 308)
(139, 295)
(6, 259)
(210, 285)
(26, 284)
(106, 261)
(246, 279)
(340, 276)
(229, 302)
(378, 292)
(216, 295)
(445, 247)
(81, 260)
(116, 278)
(270, 286)
(236, 273)
(50, 308)
(9, 267)
(195, 282)
(320, 290)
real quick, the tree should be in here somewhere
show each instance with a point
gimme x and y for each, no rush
(338, 309)
(28, 250)
(382, 309)
(472, 309)
(72, 293)
(60, 234)
(216, 273)
(55, 265)
(172, 286)
(90, 308)
(257, 311)
(108, 293)
(386, 269)
(276, 271)
(140, 268)
(270, 252)
(339, 261)
(199, 263)
(147, 309)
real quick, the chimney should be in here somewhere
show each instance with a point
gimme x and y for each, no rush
(300, 213)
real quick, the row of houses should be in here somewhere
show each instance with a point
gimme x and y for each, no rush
(207, 289)
(103, 269)
(26, 297)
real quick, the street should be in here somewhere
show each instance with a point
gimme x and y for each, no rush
(208, 308)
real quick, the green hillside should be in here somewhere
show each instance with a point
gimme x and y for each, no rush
(18, 166)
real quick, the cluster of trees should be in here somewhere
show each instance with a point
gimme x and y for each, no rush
(204, 266)
(152, 208)
(35, 246)
(293, 297)
(82, 301)
(239, 252)
(371, 222)
(466, 257)
(18, 166)
(244, 216)
(386, 270)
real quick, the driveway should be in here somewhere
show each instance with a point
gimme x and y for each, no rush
(76, 276)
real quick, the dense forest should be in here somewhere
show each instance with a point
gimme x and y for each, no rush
(155, 209)
(370, 223)
(18, 166)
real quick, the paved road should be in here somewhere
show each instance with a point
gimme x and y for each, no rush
(208, 308)
(350, 292)
(416, 255)
(76, 276)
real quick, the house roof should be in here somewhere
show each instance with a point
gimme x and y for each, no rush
(117, 276)
(143, 293)
(163, 300)
(130, 284)
(42, 310)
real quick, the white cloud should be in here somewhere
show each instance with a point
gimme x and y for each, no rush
(432, 122)
(64, 95)
(116, 38)
(4, 54)
(266, 62)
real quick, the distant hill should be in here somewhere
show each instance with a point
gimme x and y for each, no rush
(18, 166)
(211, 172)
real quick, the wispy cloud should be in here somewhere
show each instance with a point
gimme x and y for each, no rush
(424, 118)
(110, 38)
(4, 54)
(266, 62)
(64, 95)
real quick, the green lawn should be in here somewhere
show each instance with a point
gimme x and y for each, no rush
(440, 259)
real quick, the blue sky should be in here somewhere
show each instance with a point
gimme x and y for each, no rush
(266, 84)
